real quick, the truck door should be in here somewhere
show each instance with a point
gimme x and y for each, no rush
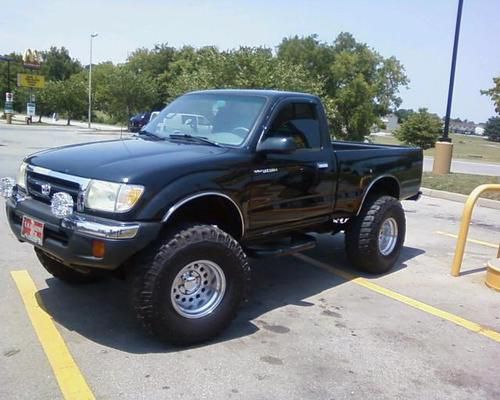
(291, 189)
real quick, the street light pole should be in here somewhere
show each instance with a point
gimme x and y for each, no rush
(92, 35)
(444, 147)
(445, 137)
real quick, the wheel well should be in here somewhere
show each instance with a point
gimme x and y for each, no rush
(211, 210)
(387, 186)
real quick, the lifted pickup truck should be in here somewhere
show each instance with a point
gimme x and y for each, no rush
(177, 209)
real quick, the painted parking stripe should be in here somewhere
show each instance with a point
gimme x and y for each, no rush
(481, 242)
(71, 381)
(472, 326)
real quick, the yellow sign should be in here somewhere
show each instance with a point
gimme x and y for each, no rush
(31, 81)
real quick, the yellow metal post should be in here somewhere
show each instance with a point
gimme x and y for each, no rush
(464, 224)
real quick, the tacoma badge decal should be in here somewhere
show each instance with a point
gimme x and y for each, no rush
(265, 171)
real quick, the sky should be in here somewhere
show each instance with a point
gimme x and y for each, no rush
(418, 33)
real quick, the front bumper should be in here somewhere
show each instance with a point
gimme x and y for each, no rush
(69, 239)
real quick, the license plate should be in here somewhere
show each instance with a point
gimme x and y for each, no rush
(32, 230)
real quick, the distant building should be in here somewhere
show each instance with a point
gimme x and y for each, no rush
(479, 130)
(390, 121)
(464, 127)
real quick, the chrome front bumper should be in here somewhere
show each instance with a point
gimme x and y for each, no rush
(89, 226)
(71, 238)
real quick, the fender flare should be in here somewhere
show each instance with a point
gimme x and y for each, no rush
(194, 196)
(369, 187)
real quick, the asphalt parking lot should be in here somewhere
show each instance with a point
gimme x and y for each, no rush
(313, 328)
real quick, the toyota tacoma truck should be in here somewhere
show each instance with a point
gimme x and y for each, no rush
(216, 177)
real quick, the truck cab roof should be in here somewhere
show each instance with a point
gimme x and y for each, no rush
(276, 94)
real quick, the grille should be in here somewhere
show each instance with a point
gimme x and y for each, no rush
(35, 181)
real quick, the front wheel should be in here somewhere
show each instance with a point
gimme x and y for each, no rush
(374, 239)
(187, 289)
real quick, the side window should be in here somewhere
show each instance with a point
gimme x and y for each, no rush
(298, 121)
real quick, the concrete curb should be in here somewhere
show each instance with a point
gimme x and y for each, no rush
(460, 198)
(98, 131)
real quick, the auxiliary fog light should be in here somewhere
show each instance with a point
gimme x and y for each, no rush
(62, 204)
(7, 187)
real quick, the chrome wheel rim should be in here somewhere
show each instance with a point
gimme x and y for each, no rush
(198, 289)
(388, 236)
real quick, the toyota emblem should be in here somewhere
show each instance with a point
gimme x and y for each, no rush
(46, 189)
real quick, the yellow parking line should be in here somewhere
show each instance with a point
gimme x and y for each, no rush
(481, 242)
(69, 377)
(472, 326)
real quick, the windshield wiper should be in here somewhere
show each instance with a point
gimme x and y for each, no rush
(150, 135)
(198, 139)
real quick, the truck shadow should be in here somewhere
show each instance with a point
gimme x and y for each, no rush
(101, 312)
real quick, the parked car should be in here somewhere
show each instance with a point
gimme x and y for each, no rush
(216, 177)
(136, 122)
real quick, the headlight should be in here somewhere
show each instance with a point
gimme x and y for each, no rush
(21, 176)
(112, 197)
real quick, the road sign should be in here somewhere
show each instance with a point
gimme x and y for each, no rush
(9, 97)
(30, 109)
(31, 81)
(9, 107)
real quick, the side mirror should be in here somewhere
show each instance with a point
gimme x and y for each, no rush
(277, 145)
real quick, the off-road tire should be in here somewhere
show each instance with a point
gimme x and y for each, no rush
(362, 235)
(67, 274)
(153, 273)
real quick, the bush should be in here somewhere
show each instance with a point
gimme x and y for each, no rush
(492, 129)
(420, 129)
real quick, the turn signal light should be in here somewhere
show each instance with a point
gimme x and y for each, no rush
(98, 248)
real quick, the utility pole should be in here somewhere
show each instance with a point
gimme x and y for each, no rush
(92, 35)
(8, 60)
(8, 75)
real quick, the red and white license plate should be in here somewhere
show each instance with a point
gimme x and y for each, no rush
(32, 230)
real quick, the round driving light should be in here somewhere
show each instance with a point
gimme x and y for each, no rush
(7, 187)
(62, 204)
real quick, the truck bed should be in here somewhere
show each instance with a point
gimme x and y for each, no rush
(360, 164)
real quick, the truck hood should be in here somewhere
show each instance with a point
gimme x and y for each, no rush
(129, 160)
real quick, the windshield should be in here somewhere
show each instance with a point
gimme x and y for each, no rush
(221, 118)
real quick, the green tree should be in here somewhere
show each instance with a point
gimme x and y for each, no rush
(420, 129)
(402, 114)
(494, 93)
(153, 61)
(492, 129)
(57, 64)
(68, 97)
(124, 92)
(359, 85)
(246, 67)
(15, 68)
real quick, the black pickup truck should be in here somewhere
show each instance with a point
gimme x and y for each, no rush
(217, 176)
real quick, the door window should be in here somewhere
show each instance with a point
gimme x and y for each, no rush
(298, 121)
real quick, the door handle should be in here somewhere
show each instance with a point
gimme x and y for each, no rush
(322, 165)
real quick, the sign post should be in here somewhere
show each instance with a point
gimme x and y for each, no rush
(9, 106)
(31, 109)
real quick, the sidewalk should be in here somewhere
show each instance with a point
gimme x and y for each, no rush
(467, 167)
(48, 121)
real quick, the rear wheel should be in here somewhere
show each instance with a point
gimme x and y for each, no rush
(374, 239)
(67, 274)
(188, 288)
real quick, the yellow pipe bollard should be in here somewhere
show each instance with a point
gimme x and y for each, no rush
(464, 224)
